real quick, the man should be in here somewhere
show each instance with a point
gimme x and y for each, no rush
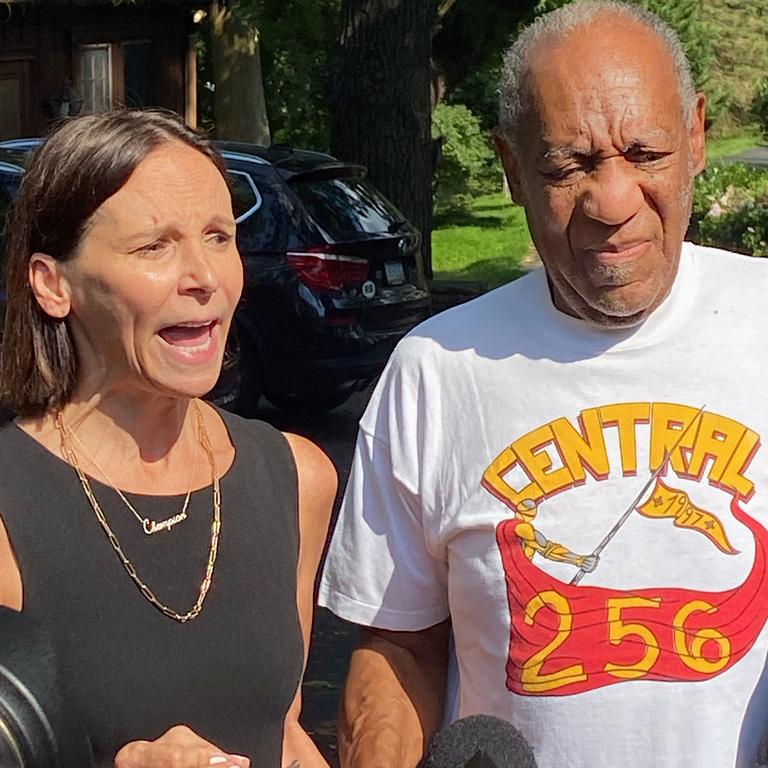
(622, 385)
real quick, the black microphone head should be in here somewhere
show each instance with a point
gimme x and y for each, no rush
(479, 741)
(36, 728)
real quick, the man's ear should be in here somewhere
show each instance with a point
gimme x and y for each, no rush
(49, 285)
(509, 163)
(697, 134)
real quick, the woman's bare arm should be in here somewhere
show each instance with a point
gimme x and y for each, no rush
(317, 490)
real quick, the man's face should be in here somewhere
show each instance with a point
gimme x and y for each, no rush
(604, 166)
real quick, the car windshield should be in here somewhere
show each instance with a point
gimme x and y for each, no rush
(348, 208)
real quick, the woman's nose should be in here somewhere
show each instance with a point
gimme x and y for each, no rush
(199, 275)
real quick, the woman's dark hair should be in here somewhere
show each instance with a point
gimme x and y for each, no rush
(81, 164)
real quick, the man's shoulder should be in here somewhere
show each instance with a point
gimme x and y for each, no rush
(717, 260)
(732, 280)
(464, 326)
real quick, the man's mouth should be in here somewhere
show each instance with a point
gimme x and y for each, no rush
(617, 253)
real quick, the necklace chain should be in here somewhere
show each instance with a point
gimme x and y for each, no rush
(148, 526)
(71, 456)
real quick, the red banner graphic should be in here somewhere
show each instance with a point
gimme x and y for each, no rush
(567, 639)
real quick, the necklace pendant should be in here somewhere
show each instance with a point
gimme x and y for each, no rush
(150, 526)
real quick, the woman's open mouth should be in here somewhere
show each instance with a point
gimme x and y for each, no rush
(192, 342)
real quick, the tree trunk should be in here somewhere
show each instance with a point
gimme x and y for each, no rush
(380, 101)
(240, 111)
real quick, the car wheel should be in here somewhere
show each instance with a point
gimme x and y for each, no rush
(308, 404)
(247, 402)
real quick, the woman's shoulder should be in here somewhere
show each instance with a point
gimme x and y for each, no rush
(310, 459)
(13, 440)
(256, 441)
(251, 433)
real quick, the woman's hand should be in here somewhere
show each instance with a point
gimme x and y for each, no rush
(178, 747)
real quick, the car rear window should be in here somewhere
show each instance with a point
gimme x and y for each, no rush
(246, 199)
(347, 208)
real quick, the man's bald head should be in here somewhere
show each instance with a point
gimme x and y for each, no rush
(558, 24)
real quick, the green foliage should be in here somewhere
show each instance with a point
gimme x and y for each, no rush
(479, 92)
(684, 16)
(488, 242)
(297, 39)
(760, 106)
(740, 41)
(294, 58)
(467, 165)
(730, 209)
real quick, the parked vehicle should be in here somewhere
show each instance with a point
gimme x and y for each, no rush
(333, 276)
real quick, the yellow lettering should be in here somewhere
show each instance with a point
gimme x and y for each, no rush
(668, 422)
(689, 647)
(585, 449)
(531, 677)
(493, 480)
(624, 416)
(618, 629)
(538, 463)
(717, 438)
(733, 479)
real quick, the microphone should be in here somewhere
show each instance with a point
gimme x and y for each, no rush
(479, 741)
(36, 728)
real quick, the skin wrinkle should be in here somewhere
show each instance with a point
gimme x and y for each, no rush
(605, 169)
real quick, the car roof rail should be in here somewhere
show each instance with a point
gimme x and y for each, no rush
(229, 154)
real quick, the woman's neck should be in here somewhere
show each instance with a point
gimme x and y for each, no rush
(138, 442)
(144, 426)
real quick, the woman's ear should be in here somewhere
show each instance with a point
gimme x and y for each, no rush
(49, 285)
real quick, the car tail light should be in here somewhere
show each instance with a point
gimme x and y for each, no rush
(319, 267)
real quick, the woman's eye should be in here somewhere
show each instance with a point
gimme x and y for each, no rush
(152, 249)
(220, 238)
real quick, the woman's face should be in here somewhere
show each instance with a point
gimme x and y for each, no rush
(157, 277)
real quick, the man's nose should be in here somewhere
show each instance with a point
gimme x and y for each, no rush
(613, 193)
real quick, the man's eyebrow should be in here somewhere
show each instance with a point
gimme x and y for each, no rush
(565, 153)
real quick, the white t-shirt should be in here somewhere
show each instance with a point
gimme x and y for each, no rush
(654, 659)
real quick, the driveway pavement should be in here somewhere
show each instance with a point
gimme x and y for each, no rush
(756, 157)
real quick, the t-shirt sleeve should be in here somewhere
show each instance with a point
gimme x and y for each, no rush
(381, 570)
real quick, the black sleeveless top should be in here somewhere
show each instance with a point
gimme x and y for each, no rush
(129, 672)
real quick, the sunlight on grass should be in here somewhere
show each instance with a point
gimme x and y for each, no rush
(485, 244)
(732, 145)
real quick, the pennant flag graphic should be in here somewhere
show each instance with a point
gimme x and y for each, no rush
(669, 502)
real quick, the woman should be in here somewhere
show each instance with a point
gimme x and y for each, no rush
(154, 536)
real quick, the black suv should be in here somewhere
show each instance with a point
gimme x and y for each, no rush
(333, 275)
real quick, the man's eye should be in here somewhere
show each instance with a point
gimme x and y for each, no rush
(564, 173)
(645, 156)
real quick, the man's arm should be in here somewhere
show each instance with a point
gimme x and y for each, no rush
(394, 697)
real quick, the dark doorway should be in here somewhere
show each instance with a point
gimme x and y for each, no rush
(139, 74)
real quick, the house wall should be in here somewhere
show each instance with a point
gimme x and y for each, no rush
(40, 48)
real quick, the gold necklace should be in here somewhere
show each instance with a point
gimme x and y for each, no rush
(113, 540)
(148, 526)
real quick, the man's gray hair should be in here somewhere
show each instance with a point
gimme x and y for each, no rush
(557, 25)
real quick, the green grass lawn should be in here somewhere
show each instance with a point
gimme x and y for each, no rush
(485, 243)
